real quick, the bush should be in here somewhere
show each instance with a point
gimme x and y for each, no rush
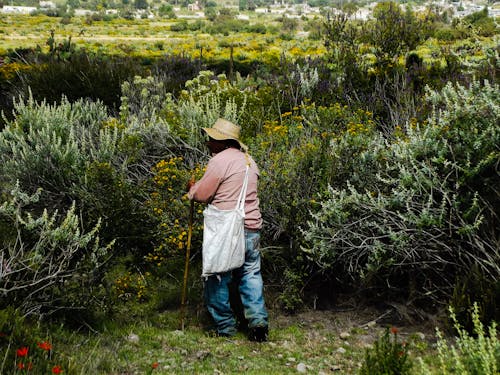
(226, 26)
(257, 28)
(173, 71)
(80, 75)
(388, 356)
(425, 218)
(179, 26)
(48, 263)
(75, 152)
(478, 354)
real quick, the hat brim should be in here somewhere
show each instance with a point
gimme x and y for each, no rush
(219, 136)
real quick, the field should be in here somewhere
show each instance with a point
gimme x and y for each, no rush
(149, 38)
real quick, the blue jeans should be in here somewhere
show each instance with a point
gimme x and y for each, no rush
(250, 288)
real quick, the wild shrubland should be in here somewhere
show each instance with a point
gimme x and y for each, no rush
(379, 173)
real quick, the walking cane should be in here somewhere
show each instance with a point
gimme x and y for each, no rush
(186, 266)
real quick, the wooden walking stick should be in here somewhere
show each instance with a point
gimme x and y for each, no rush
(186, 265)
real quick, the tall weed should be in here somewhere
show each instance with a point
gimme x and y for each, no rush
(470, 354)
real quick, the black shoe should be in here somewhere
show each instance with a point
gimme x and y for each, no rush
(258, 334)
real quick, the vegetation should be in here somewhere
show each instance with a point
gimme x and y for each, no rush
(378, 148)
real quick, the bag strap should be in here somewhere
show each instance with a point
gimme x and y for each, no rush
(243, 193)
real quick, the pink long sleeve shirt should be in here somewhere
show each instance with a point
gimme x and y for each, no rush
(222, 182)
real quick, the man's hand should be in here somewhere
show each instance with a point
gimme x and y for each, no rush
(190, 183)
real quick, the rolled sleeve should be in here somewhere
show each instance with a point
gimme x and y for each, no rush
(204, 190)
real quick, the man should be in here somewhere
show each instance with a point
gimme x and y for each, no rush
(220, 186)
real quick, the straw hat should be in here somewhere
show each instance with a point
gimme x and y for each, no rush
(224, 129)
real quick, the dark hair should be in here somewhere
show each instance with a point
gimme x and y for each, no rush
(232, 143)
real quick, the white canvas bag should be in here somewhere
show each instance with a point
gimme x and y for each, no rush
(224, 236)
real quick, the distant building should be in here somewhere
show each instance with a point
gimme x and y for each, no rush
(47, 4)
(82, 12)
(12, 9)
(194, 7)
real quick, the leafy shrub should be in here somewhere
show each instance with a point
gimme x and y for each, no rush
(179, 26)
(226, 26)
(388, 356)
(82, 75)
(41, 149)
(75, 152)
(206, 98)
(471, 288)
(256, 28)
(470, 354)
(430, 200)
(47, 259)
(448, 33)
(170, 178)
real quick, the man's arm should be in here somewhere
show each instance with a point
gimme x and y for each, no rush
(204, 190)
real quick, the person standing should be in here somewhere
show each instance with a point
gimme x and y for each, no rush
(220, 186)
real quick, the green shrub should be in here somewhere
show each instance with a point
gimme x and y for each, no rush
(448, 33)
(470, 354)
(75, 152)
(388, 356)
(48, 263)
(425, 218)
(42, 148)
(474, 287)
(179, 26)
(257, 28)
(80, 75)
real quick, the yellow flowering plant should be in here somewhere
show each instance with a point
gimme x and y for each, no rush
(170, 205)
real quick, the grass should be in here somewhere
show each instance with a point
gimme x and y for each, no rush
(310, 339)
(134, 349)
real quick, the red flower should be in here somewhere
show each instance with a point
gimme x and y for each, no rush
(45, 345)
(401, 353)
(394, 330)
(22, 352)
(20, 366)
(155, 365)
(57, 369)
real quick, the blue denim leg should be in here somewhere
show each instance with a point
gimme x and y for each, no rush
(217, 301)
(250, 288)
(250, 283)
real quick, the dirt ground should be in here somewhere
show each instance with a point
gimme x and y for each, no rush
(364, 324)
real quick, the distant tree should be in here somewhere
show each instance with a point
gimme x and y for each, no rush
(141, 4)
(211, 14)
(393, 31)
(73, 4)
(225, 14)
(350, 8)
(167, 10)
(126, 13)
(482, 23)
(289, 24)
